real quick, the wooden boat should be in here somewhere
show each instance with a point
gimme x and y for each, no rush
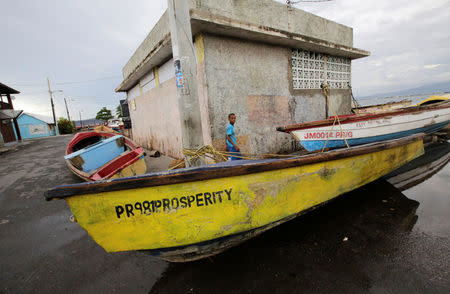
(190, 213)
(382, 107)
(432, 100)
(436, 157)
(357, 129)
(103, 154)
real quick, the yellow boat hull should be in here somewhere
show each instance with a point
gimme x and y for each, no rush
(194, 212)
(137, 168)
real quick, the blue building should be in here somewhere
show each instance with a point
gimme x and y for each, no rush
(34, 126)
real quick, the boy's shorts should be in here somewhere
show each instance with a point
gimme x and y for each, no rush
(232, 149)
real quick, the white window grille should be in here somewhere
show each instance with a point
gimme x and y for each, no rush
(338, 72)
(311, 69)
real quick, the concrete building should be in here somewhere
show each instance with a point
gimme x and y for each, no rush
(259, 59)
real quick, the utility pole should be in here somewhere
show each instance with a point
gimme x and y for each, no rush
(53, 107)
(67, 109)
(81, 123)
(186, 76)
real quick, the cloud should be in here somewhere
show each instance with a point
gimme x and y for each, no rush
(71, 41)
(403, 37)
(82, 40)
(431, 66)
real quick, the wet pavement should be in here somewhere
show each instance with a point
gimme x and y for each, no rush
(376, 239)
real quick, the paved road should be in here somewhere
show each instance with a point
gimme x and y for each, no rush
(41, 251)
(372, 240)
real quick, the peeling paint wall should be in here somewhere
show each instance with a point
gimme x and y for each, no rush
(254, 80)
(311, 105)
(265, 113)
(156, 120)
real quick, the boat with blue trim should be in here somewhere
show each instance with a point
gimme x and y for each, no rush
(190, 213)
(104, 154)
(357, 129)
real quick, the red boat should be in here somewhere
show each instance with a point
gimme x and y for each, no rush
(103, 154)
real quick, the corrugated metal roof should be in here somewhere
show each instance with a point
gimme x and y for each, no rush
(9, 113)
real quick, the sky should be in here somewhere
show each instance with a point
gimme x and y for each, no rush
(82, 46)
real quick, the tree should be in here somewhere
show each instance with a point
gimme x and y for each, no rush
(65, 126)
(104, 114)
(119, 111)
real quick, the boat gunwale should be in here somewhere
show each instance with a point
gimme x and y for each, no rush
(216, 171)
(384, 104)
(138, 154)
(351, 118)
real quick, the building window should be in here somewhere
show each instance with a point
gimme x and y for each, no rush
(311, 69)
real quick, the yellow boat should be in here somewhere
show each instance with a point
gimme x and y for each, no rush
(191, 213)
(432, 100)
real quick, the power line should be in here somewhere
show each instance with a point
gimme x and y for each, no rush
(34, 93)
(88, 81)
(32, 84)
(27, 85)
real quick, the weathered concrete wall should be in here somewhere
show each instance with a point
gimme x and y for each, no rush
(311, 105)
(247, 70)
(276, 16)
(264, 21)
(237, 71)
(153, 51)
(150, 43)
(254, 81)
(340, 99)
(156, 120)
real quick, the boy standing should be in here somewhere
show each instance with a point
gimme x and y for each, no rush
(231, 138)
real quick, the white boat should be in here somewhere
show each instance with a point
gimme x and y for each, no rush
(357, 129)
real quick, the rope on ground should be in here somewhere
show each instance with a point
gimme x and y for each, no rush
(326, 91)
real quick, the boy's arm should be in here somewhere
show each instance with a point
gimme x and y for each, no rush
(235, 146)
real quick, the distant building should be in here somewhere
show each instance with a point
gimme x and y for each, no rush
(35, 126)
(259, 59)
(9, 128)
